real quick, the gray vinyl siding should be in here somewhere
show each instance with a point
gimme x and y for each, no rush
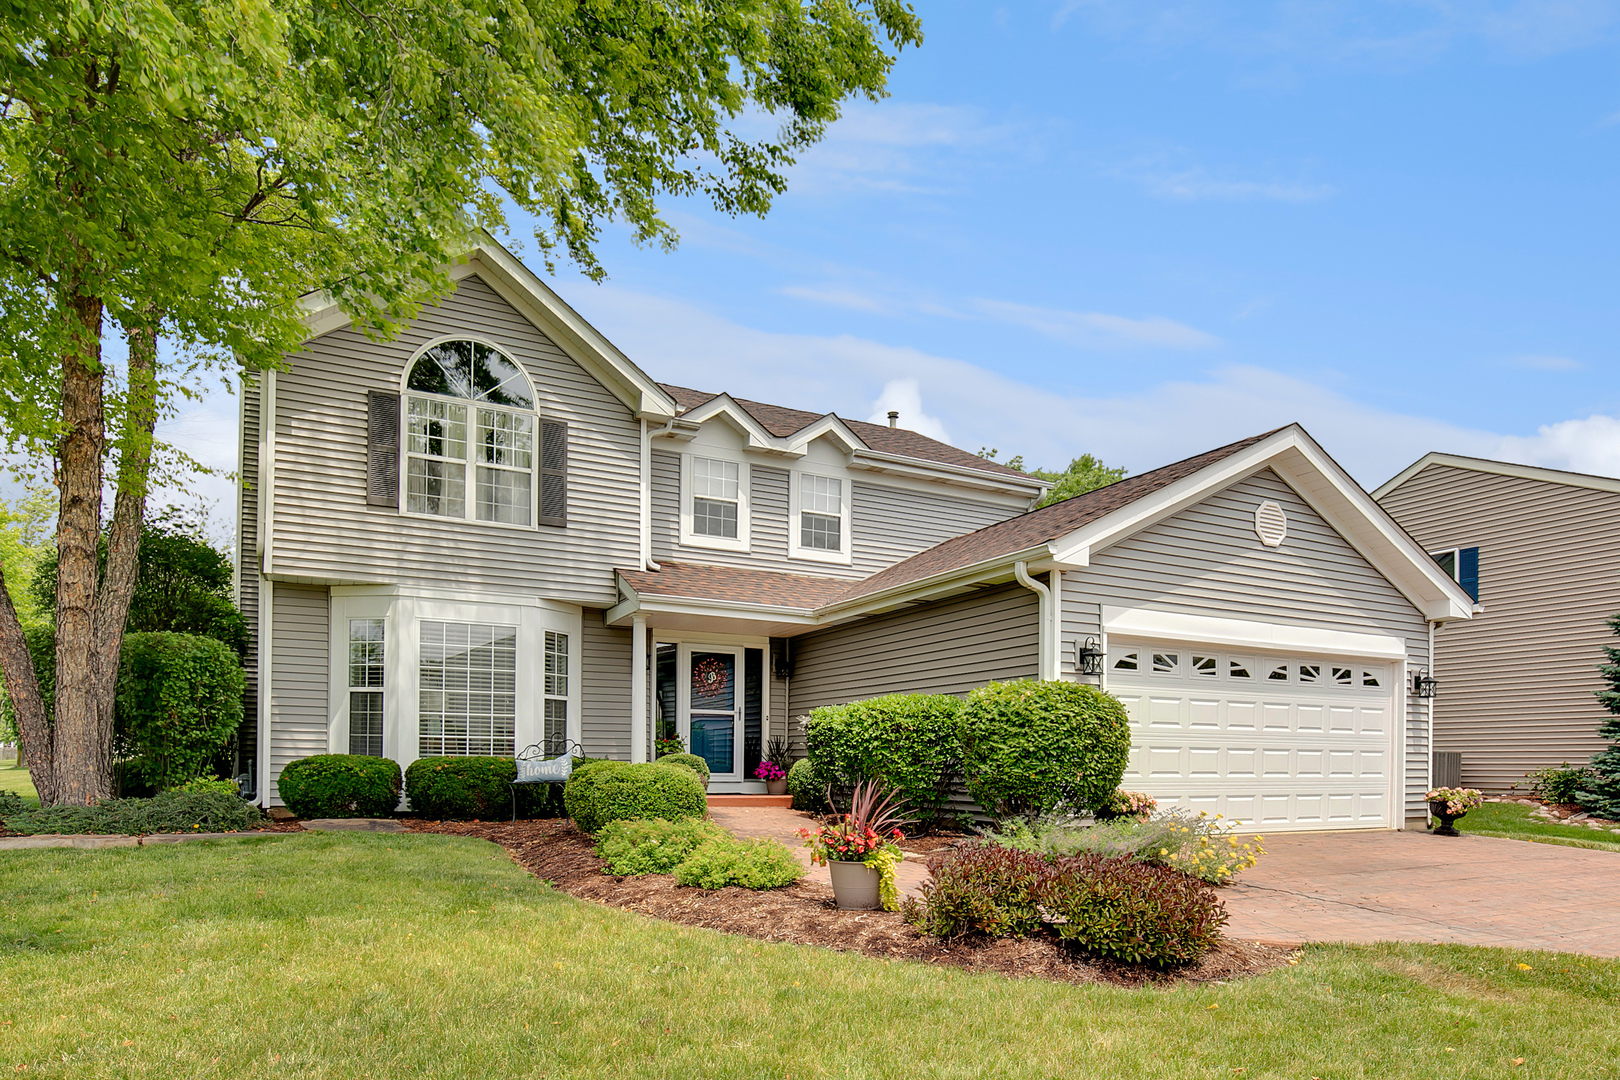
(298, 676)
(324, 531)
(887, 524)
(945, 647)
(1517, 680)
(1207, 560)
(605, 664)
(247, 569)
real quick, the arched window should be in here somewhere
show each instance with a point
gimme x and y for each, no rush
(470, 426)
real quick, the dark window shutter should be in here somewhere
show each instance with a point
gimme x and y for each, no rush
(1468, 571)
(553, 472)
(382, 448)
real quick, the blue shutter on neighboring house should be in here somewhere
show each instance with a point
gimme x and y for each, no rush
(1468, 571)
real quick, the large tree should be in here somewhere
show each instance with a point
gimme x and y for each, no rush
(184, 170)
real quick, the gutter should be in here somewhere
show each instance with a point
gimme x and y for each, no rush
(1046, 650)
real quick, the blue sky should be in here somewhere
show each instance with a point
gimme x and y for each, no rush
(1144, 229)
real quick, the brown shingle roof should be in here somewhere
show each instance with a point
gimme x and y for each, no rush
(781, 422)
(693, 581)
(1038, 526)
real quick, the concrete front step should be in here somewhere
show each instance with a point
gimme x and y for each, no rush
(751, 800)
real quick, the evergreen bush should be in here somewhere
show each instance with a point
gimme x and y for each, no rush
(478, 788)
(690, 761)
(652, 847)
(340, 786)
(1030, 748)
(620, 792)
(906, 742)
(1599, 794)
(760, 863)
(179, 702)
(169, 812)
(808, 791)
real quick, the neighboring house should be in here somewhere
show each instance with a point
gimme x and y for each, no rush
(1540, 551)
(497, 529)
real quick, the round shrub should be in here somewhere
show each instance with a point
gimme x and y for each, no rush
(620, 792)
(1132, 911)
(1031, 747)
(907, 742)
(808, 791)
(340, 785)
(461, 787)
(179, 701)
(652, 847)
(690, 761)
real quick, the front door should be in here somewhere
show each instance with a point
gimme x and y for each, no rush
(711, 707)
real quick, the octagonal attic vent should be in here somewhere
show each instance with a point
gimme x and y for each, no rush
(1270, 523)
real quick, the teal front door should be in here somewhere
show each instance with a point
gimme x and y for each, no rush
(713, 702)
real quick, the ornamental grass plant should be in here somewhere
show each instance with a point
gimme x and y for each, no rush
(1207, 848)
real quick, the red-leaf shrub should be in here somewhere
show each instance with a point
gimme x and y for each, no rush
(980, 888)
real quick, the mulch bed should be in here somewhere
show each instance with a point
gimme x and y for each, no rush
(804, 914)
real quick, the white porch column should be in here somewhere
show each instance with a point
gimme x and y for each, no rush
(638, 688)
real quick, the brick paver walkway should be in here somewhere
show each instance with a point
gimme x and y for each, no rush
(1411, 886)
(778, 823)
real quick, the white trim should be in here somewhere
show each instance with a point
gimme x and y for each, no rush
(744, 484)
(639, 750)
(1244, 634)
(645, 562)
(1030, 488)
(1498, 468)
(267, 603)
(845, 554)
(267, 472)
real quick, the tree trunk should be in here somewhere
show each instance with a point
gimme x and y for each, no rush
(81, 758)
(22, 687)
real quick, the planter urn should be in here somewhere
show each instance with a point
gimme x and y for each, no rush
(855, 886)
(776, 787)
(1446, 819)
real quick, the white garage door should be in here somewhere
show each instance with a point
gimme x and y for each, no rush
(1276, 742)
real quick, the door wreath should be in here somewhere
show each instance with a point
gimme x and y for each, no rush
(710, 677)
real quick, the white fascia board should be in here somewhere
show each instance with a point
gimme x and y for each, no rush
(1497, 468)
(1170, 626)
(681, 605)
(519, 286)
(929, 587)
(830, 425)
(956, 475)
(724, 406)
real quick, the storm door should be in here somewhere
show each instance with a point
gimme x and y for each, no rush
(712, 702)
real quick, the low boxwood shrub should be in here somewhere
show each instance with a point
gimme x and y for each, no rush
(476, 787)
(1029, 748)
(653, 846)
(168, 812)
(619, 792)
(760, 863)
(906, 742)
(340, 785)
(808, 791)
(1109, 906)
(690, 761)
(179, 701)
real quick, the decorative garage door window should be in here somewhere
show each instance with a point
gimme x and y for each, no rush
(1275, 741)
(467, 689)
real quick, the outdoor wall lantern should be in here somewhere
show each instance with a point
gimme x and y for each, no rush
(1424, 684)
(1088, 657)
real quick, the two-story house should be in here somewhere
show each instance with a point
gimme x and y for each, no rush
(497, 529)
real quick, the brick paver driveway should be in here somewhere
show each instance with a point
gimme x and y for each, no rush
(1411, 886)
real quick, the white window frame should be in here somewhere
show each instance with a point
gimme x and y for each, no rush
(744, 484)
(470, 464)
(403, 610)
(796, 549)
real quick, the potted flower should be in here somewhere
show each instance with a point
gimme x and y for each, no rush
(669, 744)
(1447, 804)
(774, 769)
(861, 851)
(1126, 804)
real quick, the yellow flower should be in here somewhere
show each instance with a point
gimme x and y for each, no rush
(1164, 851)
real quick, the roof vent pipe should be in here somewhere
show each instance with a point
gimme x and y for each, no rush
(894, 417)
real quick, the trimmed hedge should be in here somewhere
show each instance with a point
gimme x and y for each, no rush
(621, 792)
(809, 793)
(691, 761)
(907, 742)
(169, 812)
(476, 787)
(179, 701)
(340, 785)
(1029, 748)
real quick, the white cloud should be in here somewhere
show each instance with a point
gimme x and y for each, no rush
(1589, 446)
(905, 397)
(1093, 329)
(1175, 173)
(1142, 429)
(1546, 363)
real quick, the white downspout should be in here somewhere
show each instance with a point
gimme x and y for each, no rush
(1043, 619)
(1429, 707)
(638, 688)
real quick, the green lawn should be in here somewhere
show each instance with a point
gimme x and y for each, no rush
(15, 778)
(330, 955)
(1514, 822)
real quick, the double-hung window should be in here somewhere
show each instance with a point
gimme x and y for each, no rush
(820, 526)
(714, 497)
(470, 436)
(555, 696)
(366, 677)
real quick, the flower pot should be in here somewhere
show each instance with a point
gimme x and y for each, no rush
(776, 787)
(1446, 819)
(855, 886)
